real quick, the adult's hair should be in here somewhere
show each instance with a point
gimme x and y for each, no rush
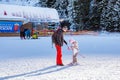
(64, 24)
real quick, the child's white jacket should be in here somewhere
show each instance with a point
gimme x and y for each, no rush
(75, 47)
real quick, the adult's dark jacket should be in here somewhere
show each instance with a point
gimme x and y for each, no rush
(57, 37)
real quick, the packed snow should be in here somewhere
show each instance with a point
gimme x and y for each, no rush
(34, 59)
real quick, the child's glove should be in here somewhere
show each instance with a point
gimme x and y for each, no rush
(68, 47)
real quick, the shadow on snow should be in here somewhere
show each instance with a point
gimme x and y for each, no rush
(47, 70)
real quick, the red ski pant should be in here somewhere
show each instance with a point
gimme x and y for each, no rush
(59, 55)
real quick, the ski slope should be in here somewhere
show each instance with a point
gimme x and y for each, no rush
(35, 59)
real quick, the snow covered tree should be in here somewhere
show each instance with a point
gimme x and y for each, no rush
(81, 10)
(110, 16)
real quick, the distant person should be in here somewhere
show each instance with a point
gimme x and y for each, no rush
(22, 34)
(35, 34)
(58, 40)
(27, 34)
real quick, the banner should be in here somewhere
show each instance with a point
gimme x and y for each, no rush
(7, 26)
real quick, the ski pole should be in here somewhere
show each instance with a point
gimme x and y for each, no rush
(82, 56)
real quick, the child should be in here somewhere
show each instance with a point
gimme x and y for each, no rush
(75, 50)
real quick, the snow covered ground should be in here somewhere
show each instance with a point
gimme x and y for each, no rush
(35, 59)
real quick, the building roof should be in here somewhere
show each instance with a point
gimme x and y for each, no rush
(31, 14)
